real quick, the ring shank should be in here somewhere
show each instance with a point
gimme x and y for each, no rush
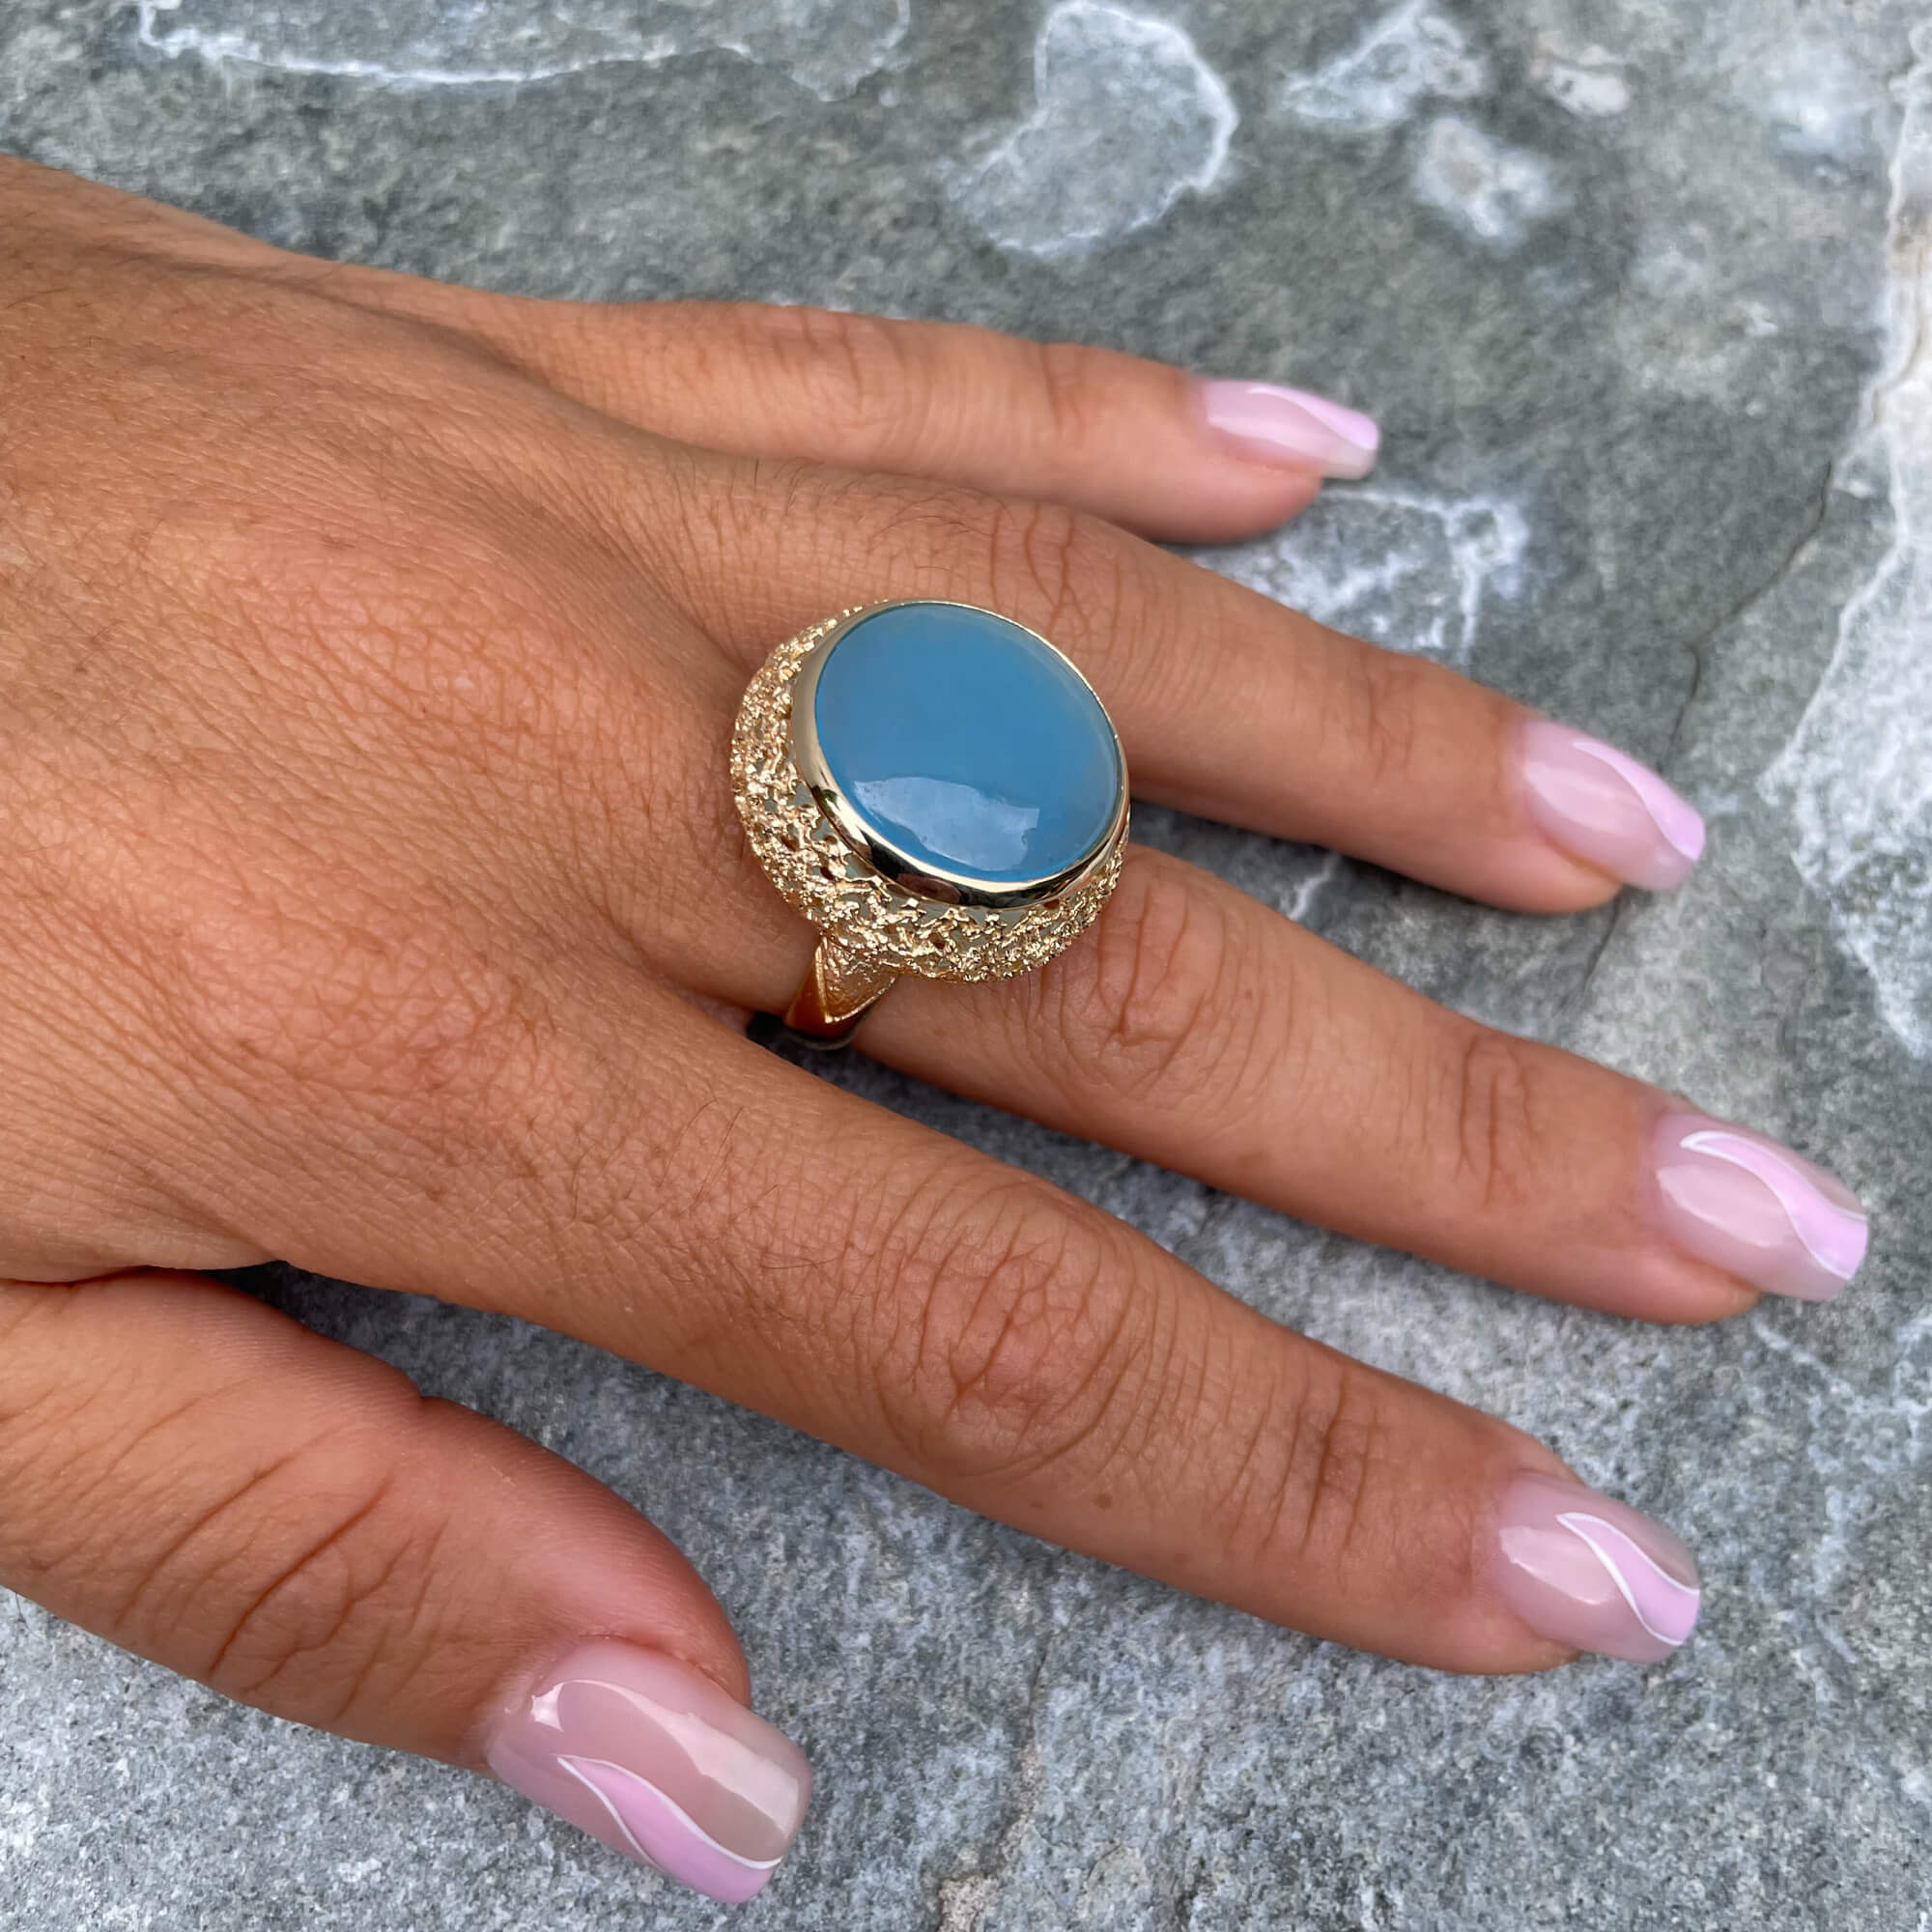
(838, 989)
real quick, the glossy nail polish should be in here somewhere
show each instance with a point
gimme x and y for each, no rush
(1747, 1206)
(1605, 808)
(1290, 427)
(1582, 1570)
(654, 1759)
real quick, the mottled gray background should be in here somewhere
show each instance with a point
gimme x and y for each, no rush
(1639, 288)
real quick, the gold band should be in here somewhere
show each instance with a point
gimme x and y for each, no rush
(839, 988)
(877, 917)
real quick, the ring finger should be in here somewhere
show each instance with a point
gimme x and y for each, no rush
(1227, 704)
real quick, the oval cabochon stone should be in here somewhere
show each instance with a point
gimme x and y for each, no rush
(967, 745)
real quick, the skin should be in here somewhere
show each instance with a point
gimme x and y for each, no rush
(374, 901)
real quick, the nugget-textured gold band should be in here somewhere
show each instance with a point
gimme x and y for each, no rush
(837, 991)
(873, 929)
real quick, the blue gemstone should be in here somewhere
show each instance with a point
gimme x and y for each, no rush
(964, 743)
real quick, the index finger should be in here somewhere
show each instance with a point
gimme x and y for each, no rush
(1227, 704)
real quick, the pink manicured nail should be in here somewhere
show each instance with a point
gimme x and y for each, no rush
(654, 1759)
(1747, 1205)
(1290, 427)
(1584, 1570)
(1607, 808)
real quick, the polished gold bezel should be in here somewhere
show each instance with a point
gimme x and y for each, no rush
(866, 896)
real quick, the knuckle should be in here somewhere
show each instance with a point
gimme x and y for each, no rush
(1318, 1507)
(1485, 1120)
(1165, 1000)
(1386, 716)
(1022, 1350)
(1058, 564)
(856, 374)
(336, 1570)
(283, 1578)
(1074, 393)
(326, 1588)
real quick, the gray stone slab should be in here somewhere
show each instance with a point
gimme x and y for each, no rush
(1639, 288)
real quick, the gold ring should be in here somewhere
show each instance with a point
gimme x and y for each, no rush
(937, 790)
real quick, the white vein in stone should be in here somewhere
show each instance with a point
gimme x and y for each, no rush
(1129, 119)
(1405, 569)
(827, 46)
(1406, 58)
(1817, 100)
(1865, 1441)
(1857, 776)
(1585, 81)
(1495, 192)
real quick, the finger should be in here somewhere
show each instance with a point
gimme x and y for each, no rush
(1141, 442)
(1228, 704)
(209, 1485)
(1198, 1029)
(1177, 456)
(661, 1188)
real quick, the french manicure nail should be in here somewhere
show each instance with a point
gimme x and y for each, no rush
(1607, 808)
(1582, 1570)
(1290, 427)
(658, 1761)
(1747, 1206)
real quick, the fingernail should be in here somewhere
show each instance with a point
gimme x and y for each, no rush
(654, 1759)
(1607, 808)
(1747, 1206)
(1594, 1574)
(1290, 427)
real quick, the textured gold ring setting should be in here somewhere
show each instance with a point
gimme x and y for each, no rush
(937, 790)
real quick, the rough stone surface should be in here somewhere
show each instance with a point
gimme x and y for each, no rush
(1639, 288)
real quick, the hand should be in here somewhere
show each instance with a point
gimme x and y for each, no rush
(368, 656)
